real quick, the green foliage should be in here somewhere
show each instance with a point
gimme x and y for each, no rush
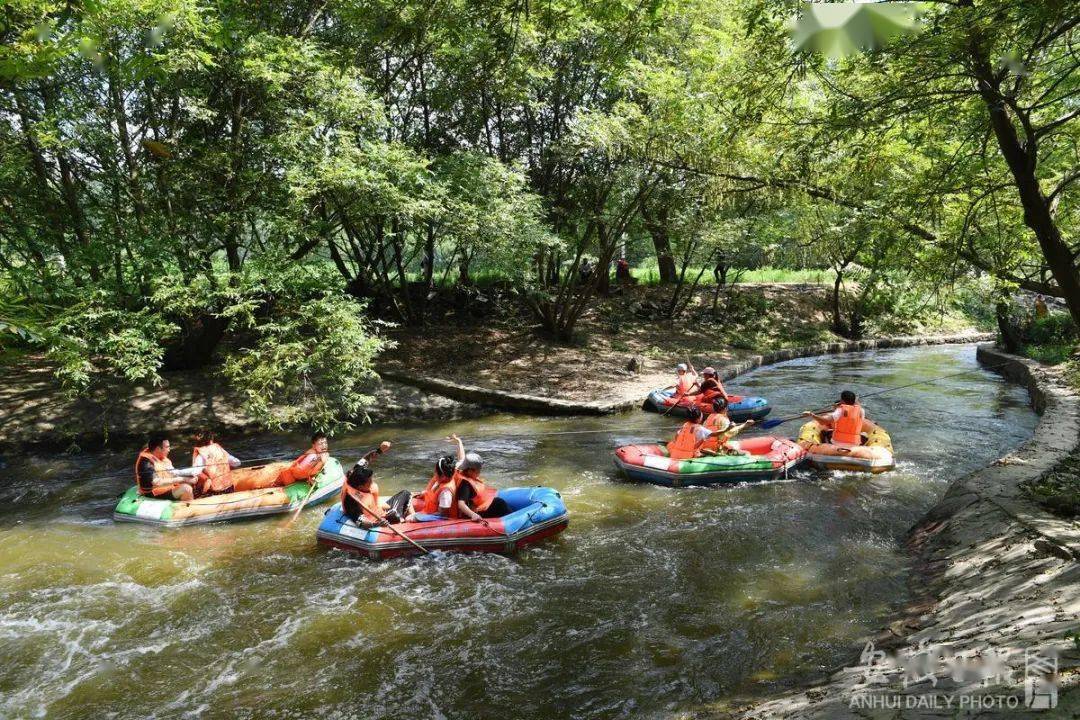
(310, 364)
(1056, 328)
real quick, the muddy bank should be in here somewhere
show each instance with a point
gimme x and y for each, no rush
(37, 414)
(994, 574)
(630, 392)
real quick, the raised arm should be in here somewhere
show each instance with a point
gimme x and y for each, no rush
(460, 447)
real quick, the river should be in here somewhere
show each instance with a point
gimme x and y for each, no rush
(653, 602)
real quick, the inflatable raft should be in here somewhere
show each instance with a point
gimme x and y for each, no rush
(875, 455)
(536, 513)
(769, 458)
(134, 507)
(740, 408)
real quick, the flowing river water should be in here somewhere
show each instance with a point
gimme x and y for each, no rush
(654, 601)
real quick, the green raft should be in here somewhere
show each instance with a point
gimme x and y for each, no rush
(134, 507)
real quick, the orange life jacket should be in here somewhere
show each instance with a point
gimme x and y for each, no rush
(298, 471)
(366, 498)
(715, 421)
(685, 383)
(847, 430)
(709, 394)
(161, 468)
(483, 493)
(216, 468)
(431, 500)
(421, 500)
(685, 443)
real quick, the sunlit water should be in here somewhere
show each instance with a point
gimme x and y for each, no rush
(654, 600)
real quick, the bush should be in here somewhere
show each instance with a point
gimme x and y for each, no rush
(1057, 328)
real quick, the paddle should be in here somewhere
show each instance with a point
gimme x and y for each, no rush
(394, 530)
(302, 504)
(780, 421)
(678, 396)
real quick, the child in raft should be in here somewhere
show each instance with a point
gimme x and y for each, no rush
(722, 430)
(695, 439)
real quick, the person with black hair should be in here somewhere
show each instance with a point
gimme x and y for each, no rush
(155, 475)
(309, 464)
(214, 462)
(690, 437)
(360, 494)
(847, 421)
(721, 430)
(438, 497)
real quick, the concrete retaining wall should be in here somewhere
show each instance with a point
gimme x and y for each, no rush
(994, 573)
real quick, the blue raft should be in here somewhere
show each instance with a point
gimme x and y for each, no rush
(535, 513)
(740, 407)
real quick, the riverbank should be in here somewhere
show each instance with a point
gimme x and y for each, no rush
(458, 369)
(994, 575)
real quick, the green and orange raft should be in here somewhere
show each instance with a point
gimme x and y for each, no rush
(134, 507)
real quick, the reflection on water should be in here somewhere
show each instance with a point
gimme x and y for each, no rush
(654, 599)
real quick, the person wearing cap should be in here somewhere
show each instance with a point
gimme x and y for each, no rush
(360, 493)
(721, 430)
(690, 437)
(686, 382)
(847, 421)
(709, 389)
(476, 499)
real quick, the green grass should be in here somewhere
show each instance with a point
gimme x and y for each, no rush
(1053, 354)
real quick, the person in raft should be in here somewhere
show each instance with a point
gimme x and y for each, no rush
(214, 462)
(155, 475)
(308, 465)
(437, 499)
(360, 494)
(721, 430)
(690, 437)
(710, 388)
(848, 421)
(686, 382)
(476, 499)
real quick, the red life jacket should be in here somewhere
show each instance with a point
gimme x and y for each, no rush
(847, 429)
(162, 468)
(684, 445)
(483, 493)
(716, 421)
(366, 498)
(216, 468)
(431, 500)
(300, 471)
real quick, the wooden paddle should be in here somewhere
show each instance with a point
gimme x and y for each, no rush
(394, 530)
(303, 502)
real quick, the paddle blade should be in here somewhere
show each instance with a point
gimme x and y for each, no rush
(768, 424)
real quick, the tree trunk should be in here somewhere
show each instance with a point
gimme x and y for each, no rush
(656, 224)
(1022, 159)
(198, 340)
(1010, 335)
(838, 321)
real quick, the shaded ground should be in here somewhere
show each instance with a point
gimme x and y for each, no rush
(626, 347)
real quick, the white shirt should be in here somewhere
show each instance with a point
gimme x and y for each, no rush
(446, 499)
(702, 433)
